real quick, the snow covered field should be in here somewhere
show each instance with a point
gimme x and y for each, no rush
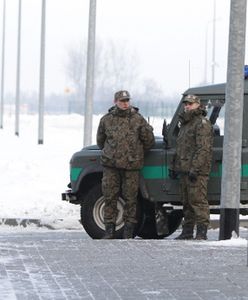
(34, 176)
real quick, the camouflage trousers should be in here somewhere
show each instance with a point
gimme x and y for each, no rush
(194, 198)
(124, 183)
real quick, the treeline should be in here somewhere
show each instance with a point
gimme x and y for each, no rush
(72, 103)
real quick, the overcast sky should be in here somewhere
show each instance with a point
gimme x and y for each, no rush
(170, 37)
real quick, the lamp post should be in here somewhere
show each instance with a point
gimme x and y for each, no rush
(213, 63)
(89, 92)
(213, 43)
(17, 110)
(206, 54)
(232, 143)
(42, 75)
(2, 73)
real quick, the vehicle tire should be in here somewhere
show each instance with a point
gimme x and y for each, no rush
(148, 230)
(92, 216)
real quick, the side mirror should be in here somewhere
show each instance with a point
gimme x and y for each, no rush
(165, 132)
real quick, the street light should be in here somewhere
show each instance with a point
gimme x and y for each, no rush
(17, 110)
(90, 75)
(3, 61)
(232, 143)
(213, 44)
(213, 63)
(42, 75)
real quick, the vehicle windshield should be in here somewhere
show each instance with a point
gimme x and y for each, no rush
(216, 113)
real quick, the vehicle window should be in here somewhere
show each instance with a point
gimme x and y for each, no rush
(216, 113)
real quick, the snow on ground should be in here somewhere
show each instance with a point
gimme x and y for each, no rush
(34, 176)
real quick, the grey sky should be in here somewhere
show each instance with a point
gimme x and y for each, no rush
(166, 35)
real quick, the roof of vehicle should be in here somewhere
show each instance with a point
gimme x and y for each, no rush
(214, 89)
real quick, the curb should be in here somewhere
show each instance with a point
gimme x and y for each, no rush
(214, 224)
(25, 222)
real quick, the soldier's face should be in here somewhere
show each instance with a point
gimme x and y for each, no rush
(123, 104)
(190, 106)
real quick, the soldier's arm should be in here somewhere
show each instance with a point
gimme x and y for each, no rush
(204, 143)
(100, 136)
(146, 135)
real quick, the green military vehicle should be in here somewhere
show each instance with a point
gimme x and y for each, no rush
(158, 199)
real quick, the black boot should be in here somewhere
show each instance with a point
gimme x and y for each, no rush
(128, 232)
(109, 231)
(187, 233)
(201, 232)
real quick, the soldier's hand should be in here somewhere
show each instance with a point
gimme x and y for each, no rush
(173, 174)
(192, 177)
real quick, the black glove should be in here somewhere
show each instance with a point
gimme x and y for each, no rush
(173, 174)
(192, 177)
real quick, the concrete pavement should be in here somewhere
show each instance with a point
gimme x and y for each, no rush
(69, 265)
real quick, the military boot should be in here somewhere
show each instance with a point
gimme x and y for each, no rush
(187, 233)
(109, 231)
(128, 232)
(201, 232)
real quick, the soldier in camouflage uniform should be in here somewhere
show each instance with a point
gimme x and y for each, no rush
(123, 135)
(192, 162)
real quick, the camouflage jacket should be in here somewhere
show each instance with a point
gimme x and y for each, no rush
(123, 135)
(194, 143)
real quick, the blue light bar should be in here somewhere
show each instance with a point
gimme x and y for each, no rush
(246, 71)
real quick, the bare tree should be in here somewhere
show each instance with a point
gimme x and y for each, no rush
(75, 65)
(116, 68)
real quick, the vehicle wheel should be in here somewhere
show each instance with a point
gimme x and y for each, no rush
(148, 230)
(92, 215)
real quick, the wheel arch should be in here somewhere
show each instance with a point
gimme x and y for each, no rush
(85, 176)
(87, 182)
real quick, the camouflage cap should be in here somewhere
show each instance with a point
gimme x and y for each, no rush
(121, 95)
(192, 99)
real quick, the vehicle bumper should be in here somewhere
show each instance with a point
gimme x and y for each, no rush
(69, 196)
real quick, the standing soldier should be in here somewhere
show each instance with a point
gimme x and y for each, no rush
(192, 162)
(123, 135)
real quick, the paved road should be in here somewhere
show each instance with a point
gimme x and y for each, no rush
(69, 265)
